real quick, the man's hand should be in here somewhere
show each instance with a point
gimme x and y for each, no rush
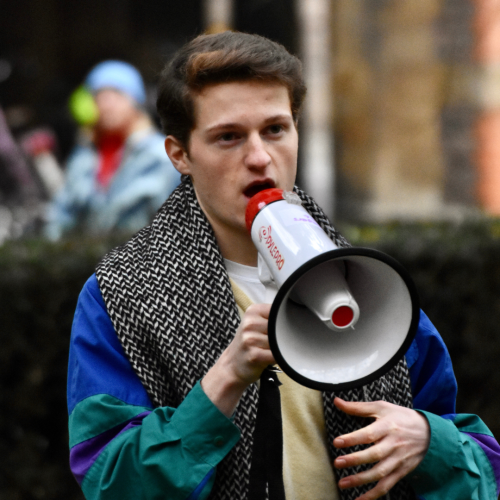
(242, 362)
(400, 438)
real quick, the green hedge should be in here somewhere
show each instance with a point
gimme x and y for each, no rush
(39, 287)
(456, 269)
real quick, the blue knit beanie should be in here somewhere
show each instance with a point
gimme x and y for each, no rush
(117, 75)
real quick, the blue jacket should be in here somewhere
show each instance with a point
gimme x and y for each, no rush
(143, 181)
(122, 447)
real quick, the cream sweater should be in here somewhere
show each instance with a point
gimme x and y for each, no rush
(307, 468)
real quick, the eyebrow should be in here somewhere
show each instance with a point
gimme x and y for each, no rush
(231, 125)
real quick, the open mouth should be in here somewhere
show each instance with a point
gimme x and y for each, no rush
(253, 189)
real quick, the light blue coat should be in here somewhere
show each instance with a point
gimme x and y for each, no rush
(143, 181)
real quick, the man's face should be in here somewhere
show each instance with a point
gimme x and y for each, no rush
(244, 140)
(117, 111)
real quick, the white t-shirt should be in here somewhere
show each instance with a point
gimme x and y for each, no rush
(247, 278)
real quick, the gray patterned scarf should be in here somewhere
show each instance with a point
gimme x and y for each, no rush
(170, 300)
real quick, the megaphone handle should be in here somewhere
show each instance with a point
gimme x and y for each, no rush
(265, 275)
(267, 453)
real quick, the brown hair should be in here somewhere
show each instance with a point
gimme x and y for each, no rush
(220, 58)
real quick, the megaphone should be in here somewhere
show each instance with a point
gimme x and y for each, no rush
(342, 317)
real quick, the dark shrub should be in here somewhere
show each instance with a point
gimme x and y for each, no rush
(456, 269)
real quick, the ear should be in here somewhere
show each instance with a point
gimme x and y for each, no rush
(177, 154)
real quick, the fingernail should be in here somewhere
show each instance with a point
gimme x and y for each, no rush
(338, 442)
(339, 463)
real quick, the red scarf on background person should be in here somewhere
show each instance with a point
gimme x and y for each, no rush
(110, 150)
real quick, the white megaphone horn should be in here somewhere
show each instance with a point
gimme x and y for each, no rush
(342, 317)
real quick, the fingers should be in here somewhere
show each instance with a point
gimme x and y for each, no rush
(380, 489)
(242, 362)
(403, 426)
(361, 408)
(366, 435)
(399, 437)
(370, 455)
(249, 352)
(262, 310)
(255, 319)
(371, 433)
(253, 329)
(385, 473)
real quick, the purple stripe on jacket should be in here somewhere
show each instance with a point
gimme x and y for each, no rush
(83, 455)
(490, 447)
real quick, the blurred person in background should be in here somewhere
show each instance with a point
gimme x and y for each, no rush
(20, 191)
(39, 147)
(118, 176)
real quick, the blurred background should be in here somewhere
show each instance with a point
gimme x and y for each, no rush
(400, 143)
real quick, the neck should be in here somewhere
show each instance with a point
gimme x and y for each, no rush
(236, 246)
(235, 243)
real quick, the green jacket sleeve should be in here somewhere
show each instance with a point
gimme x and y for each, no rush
(456, 465)
(170, 453)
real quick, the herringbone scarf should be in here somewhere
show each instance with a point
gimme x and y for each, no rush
(170, 300)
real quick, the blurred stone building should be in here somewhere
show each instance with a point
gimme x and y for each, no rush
(404, 85)
(413, 93)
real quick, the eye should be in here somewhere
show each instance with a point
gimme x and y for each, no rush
(227, 137)
(275, 129)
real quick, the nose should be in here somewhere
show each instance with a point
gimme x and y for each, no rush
(256, 155)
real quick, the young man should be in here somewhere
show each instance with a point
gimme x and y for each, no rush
(170, 335)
